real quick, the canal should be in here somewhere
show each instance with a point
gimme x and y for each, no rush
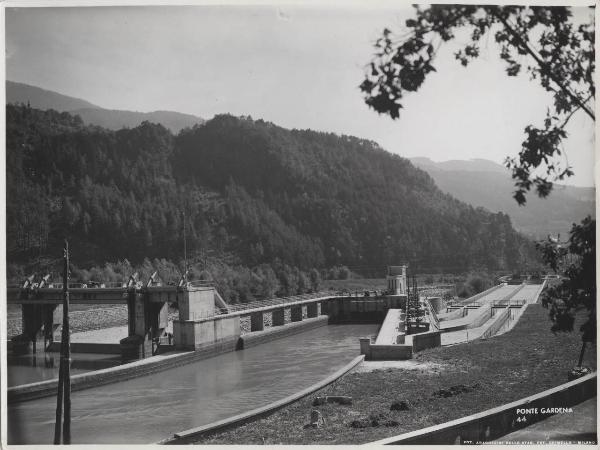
(27, 369)
(150, 408)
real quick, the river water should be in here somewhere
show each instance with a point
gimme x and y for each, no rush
(44, 366)
(148, 409)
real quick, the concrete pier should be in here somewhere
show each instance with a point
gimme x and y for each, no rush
(296, 312)
(257, 321)
(41, 326)
(278, 317)
(312, 310)
(198, 327)
(147, 321)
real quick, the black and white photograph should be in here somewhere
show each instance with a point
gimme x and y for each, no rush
(233, 222)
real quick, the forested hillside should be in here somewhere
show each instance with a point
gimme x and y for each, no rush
(254, 195)
(539, 217)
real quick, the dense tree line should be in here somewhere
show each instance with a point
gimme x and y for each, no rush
(255, 197)
(357, 202)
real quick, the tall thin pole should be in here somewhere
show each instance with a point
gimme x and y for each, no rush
(67, 351)
(59, 399)
(64, 376)
(184, 246)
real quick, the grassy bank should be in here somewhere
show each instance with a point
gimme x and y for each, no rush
(453, 382)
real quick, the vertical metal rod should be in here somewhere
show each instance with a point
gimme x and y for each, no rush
(184, 245)
(61, 370)
(581, 354)
(59, 400)
(67, 352)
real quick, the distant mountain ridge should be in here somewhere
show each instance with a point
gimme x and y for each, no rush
(471, 165)
(115, 119)
(92, 114)
(42, 98)
(485, 183)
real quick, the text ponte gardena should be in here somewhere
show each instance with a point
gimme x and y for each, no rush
(544, 410)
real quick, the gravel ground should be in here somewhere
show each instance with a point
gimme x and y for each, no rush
(104, 316)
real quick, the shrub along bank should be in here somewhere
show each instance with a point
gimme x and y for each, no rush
(454, 382)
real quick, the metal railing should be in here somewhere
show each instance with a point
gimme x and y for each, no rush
(509, 302)
(236, 307)
(71, 286)
(201, 315)
(200, 283)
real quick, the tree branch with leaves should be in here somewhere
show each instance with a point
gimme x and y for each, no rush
(547, 44)
(544, 42)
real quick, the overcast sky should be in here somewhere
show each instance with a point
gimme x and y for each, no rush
(297, 67)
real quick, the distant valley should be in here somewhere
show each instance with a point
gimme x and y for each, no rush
(485, 183)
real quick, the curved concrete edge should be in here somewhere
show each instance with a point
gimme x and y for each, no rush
(122, 372)
(194, 433)
(497, 422)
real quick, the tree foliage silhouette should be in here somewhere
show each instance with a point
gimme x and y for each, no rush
(544, 42)
(577, 262)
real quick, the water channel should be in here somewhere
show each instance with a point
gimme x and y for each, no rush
(44, 366)
(150, 408)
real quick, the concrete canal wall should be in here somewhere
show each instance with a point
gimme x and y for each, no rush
(498, 323)
(422, 341)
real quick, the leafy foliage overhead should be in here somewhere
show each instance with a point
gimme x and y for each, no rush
(542, 41)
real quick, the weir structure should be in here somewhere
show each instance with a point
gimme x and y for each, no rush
(205, 320)
(147, 310)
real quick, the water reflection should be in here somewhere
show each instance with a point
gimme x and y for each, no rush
(27, 369)
(150, 408)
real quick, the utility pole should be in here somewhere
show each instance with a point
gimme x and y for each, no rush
(184, 246)
(64, 374)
